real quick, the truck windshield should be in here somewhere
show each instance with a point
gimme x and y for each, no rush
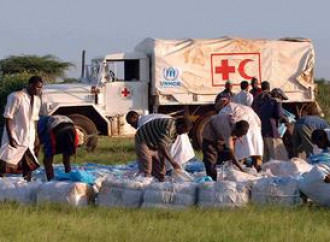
(93, 72)
(122, 70)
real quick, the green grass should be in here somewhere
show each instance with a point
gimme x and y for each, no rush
(109, 151)
(323, 98)
(61, 223)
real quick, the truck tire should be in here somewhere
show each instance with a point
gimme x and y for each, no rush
(199, 128)
(88, 128)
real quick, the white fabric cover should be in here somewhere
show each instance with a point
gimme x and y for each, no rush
(222, 194)
(18, 190)
(294, 167)
(286, 64)
(313, 186)
(170, 195)
(123, 192)
(73, 193)
(276, 190)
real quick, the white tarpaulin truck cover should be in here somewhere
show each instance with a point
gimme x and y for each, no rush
(192, 69)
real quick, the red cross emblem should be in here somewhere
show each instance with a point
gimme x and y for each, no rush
(126, 92)
(224, 69)
(235, 67)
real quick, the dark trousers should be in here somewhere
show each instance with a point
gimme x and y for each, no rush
(26, 165)
(212, 155)
(150, 162)
(302, 139)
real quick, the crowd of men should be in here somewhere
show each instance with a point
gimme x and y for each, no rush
(244, 130)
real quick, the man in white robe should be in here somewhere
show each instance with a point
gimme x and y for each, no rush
(250, 145)
(181, 150)
(19, 135)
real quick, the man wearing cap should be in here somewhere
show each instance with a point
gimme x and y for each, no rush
(244, 97)
(228, 90)
(255, 91)
(260, 99)
(251, 144)
(271, 115)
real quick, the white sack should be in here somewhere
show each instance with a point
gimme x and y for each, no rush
(170, 195)
(313, 186)
(18, 190)
(294, 167)
(276, 190)
(73, 193)
(222, 194)
(243, 177)
(123, 192)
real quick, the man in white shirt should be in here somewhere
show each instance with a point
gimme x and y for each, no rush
(181, 150)
(19, 135)
(244, 97)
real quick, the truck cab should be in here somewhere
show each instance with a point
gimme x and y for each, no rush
(109, 88)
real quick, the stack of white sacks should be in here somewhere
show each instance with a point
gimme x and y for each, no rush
(276, 184)
(13, 189)
(279, 182)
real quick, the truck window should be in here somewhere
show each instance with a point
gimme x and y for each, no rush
(123, 70)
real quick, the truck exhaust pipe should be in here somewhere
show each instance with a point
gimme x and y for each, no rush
(83, 63)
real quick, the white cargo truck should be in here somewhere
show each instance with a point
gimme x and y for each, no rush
(180, 76)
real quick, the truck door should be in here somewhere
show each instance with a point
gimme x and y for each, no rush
(126, 86)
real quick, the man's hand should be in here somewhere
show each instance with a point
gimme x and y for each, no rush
(327, 179)
(36, 150)
(12, 142)
(176, 166)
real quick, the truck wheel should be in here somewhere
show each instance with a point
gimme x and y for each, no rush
(199, 128)
(88, 128)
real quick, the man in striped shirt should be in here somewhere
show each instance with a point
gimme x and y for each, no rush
(153, 141)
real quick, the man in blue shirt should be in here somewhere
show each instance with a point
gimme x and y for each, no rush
(302, 134)
(271, 115)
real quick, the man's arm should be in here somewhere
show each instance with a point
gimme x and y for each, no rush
(279, 114)
(232, 153)
(9, 128)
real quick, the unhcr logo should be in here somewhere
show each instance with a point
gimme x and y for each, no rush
(170, 73)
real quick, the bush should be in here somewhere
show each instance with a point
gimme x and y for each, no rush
(9, 84)
(323, 97)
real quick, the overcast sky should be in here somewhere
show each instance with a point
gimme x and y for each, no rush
(65, 27)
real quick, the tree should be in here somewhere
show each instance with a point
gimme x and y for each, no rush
(48, 66)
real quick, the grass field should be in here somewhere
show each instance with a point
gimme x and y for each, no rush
(58, 223)
(62, 223)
